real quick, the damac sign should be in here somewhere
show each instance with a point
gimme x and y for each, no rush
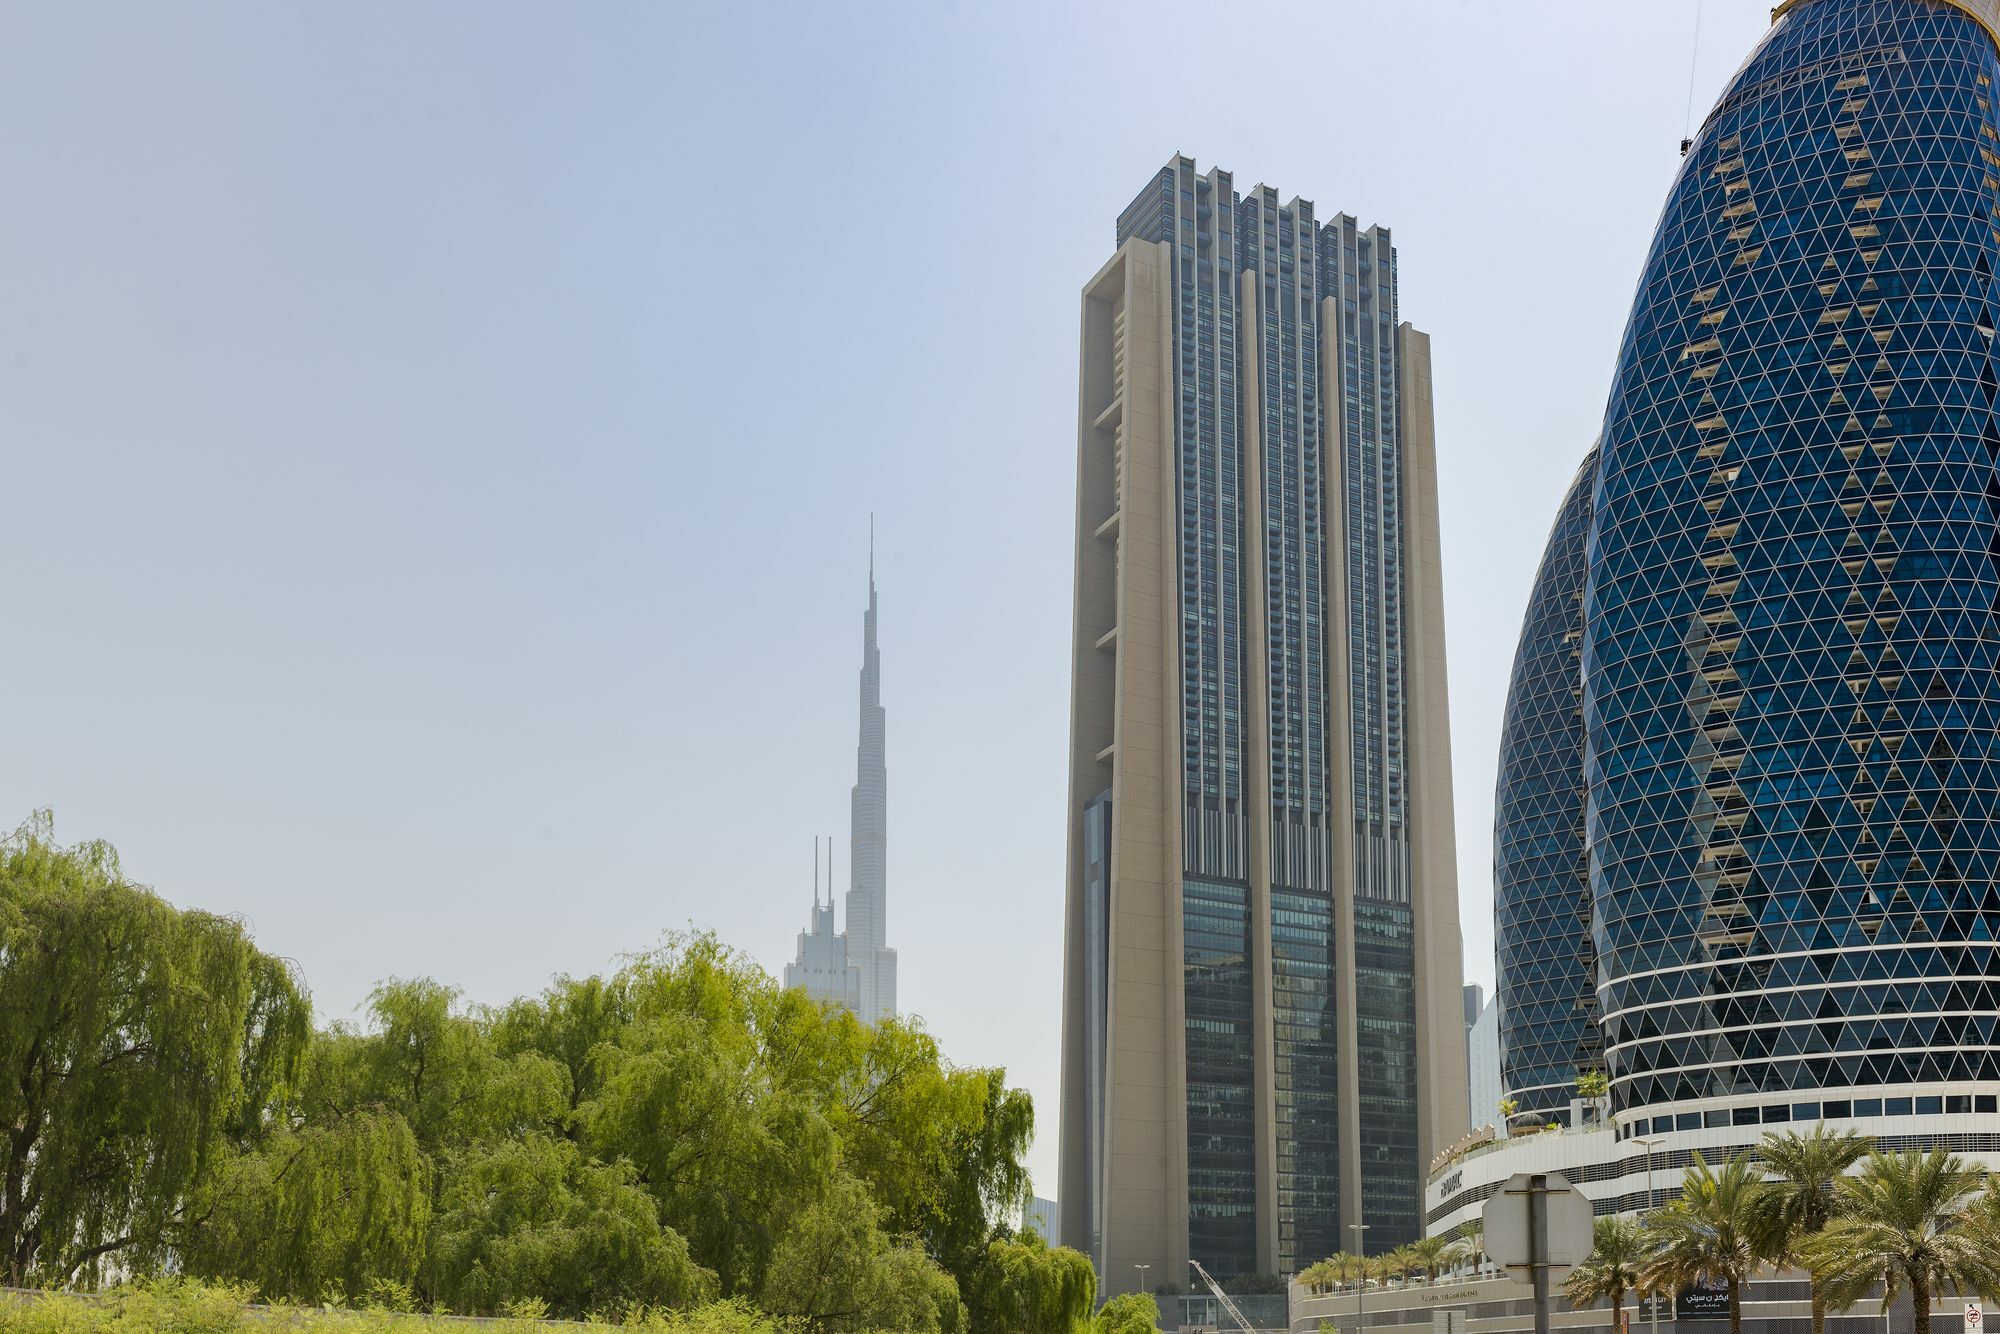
(1451, 1185)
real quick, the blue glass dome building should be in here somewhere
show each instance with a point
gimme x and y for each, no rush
(1790, 645)
(1541, 888)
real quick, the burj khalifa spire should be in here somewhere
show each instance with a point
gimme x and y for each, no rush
(868, 841)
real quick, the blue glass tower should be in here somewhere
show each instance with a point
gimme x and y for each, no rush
(1790, 638)
(1541, 883)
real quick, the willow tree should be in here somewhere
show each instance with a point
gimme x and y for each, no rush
(327, 1211)
(135, 1038)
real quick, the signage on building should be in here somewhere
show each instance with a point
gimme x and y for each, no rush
(1702, 1301)
(1451, 1185)
(1432, 1296)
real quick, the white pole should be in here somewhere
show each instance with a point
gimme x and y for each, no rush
(1360, 1274)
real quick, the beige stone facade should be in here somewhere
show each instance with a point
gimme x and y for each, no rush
(1124, 1122)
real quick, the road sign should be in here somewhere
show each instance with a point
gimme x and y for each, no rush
(1509, 1238)
(1975, 1318)
(1538, 1228)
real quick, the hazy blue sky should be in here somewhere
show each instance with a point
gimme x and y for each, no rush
(439, 437)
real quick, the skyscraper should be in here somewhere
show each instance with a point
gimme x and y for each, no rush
(856, 968)
(821, 969)
(1546, 975)
(1262, 1034)
(1482, 1065)
(868, 842)
(1790, 643)
(1790, 637)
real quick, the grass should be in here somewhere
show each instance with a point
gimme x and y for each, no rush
(176, 1307)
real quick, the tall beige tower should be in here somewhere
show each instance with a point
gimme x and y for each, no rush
(1262, 1040)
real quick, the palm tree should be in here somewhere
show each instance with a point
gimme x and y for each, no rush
(1593, 1086)
(1338, 1268)
(1709, 1234)
(1899, 1223)
(1617, 1256)
(1470, 1248)
(1801, 1171)
(1428, 1256)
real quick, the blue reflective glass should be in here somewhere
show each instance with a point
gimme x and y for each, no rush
(1791, 708)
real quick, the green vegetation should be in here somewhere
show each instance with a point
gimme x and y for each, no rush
(1800, 1200)
(1923, 1225)
(1912, 1222)
(1618, 1253)
(184, 1307)
(1710, 1234)
(1133, 1313)
(1915, 1224)
(681, 1136)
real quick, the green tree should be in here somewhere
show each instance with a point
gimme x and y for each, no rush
(530, 1217)
(1320, 1276)
(1801, 1172)
(1615, 1265)
(1898, 1224)
(943, 1149)
(436, 1067)
(1469, 1247)
(318, 1213)
(1028, 1287)
(1130, 1313)
(572, 1024)
(835, 1271)
(1593, 1087)
(133, 1037)
(727, 1133)
(1428, 1256)
(1709, 1234)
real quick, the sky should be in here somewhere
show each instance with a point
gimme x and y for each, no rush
(439, 438)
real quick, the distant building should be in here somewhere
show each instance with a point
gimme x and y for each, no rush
(1041, 1217)
(1475, 1001)
(1482, 1061)
(822, 970)
(856, 968)
(868, 874)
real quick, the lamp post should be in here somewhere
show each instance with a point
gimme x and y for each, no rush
(1360, 1274)
(1142, 1275)
(1653, 1299)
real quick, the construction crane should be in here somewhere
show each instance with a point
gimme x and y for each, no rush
(1223, 1297)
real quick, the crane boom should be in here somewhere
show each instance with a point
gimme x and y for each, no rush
(1223, 1297)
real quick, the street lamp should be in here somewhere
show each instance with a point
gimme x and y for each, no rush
(1142, 1275)
(1653, 1299)
(1360, 1274)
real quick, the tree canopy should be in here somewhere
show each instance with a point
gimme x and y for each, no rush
(682, 1134)
(135, 1039)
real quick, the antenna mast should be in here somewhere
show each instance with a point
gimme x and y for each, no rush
(1694, 63)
